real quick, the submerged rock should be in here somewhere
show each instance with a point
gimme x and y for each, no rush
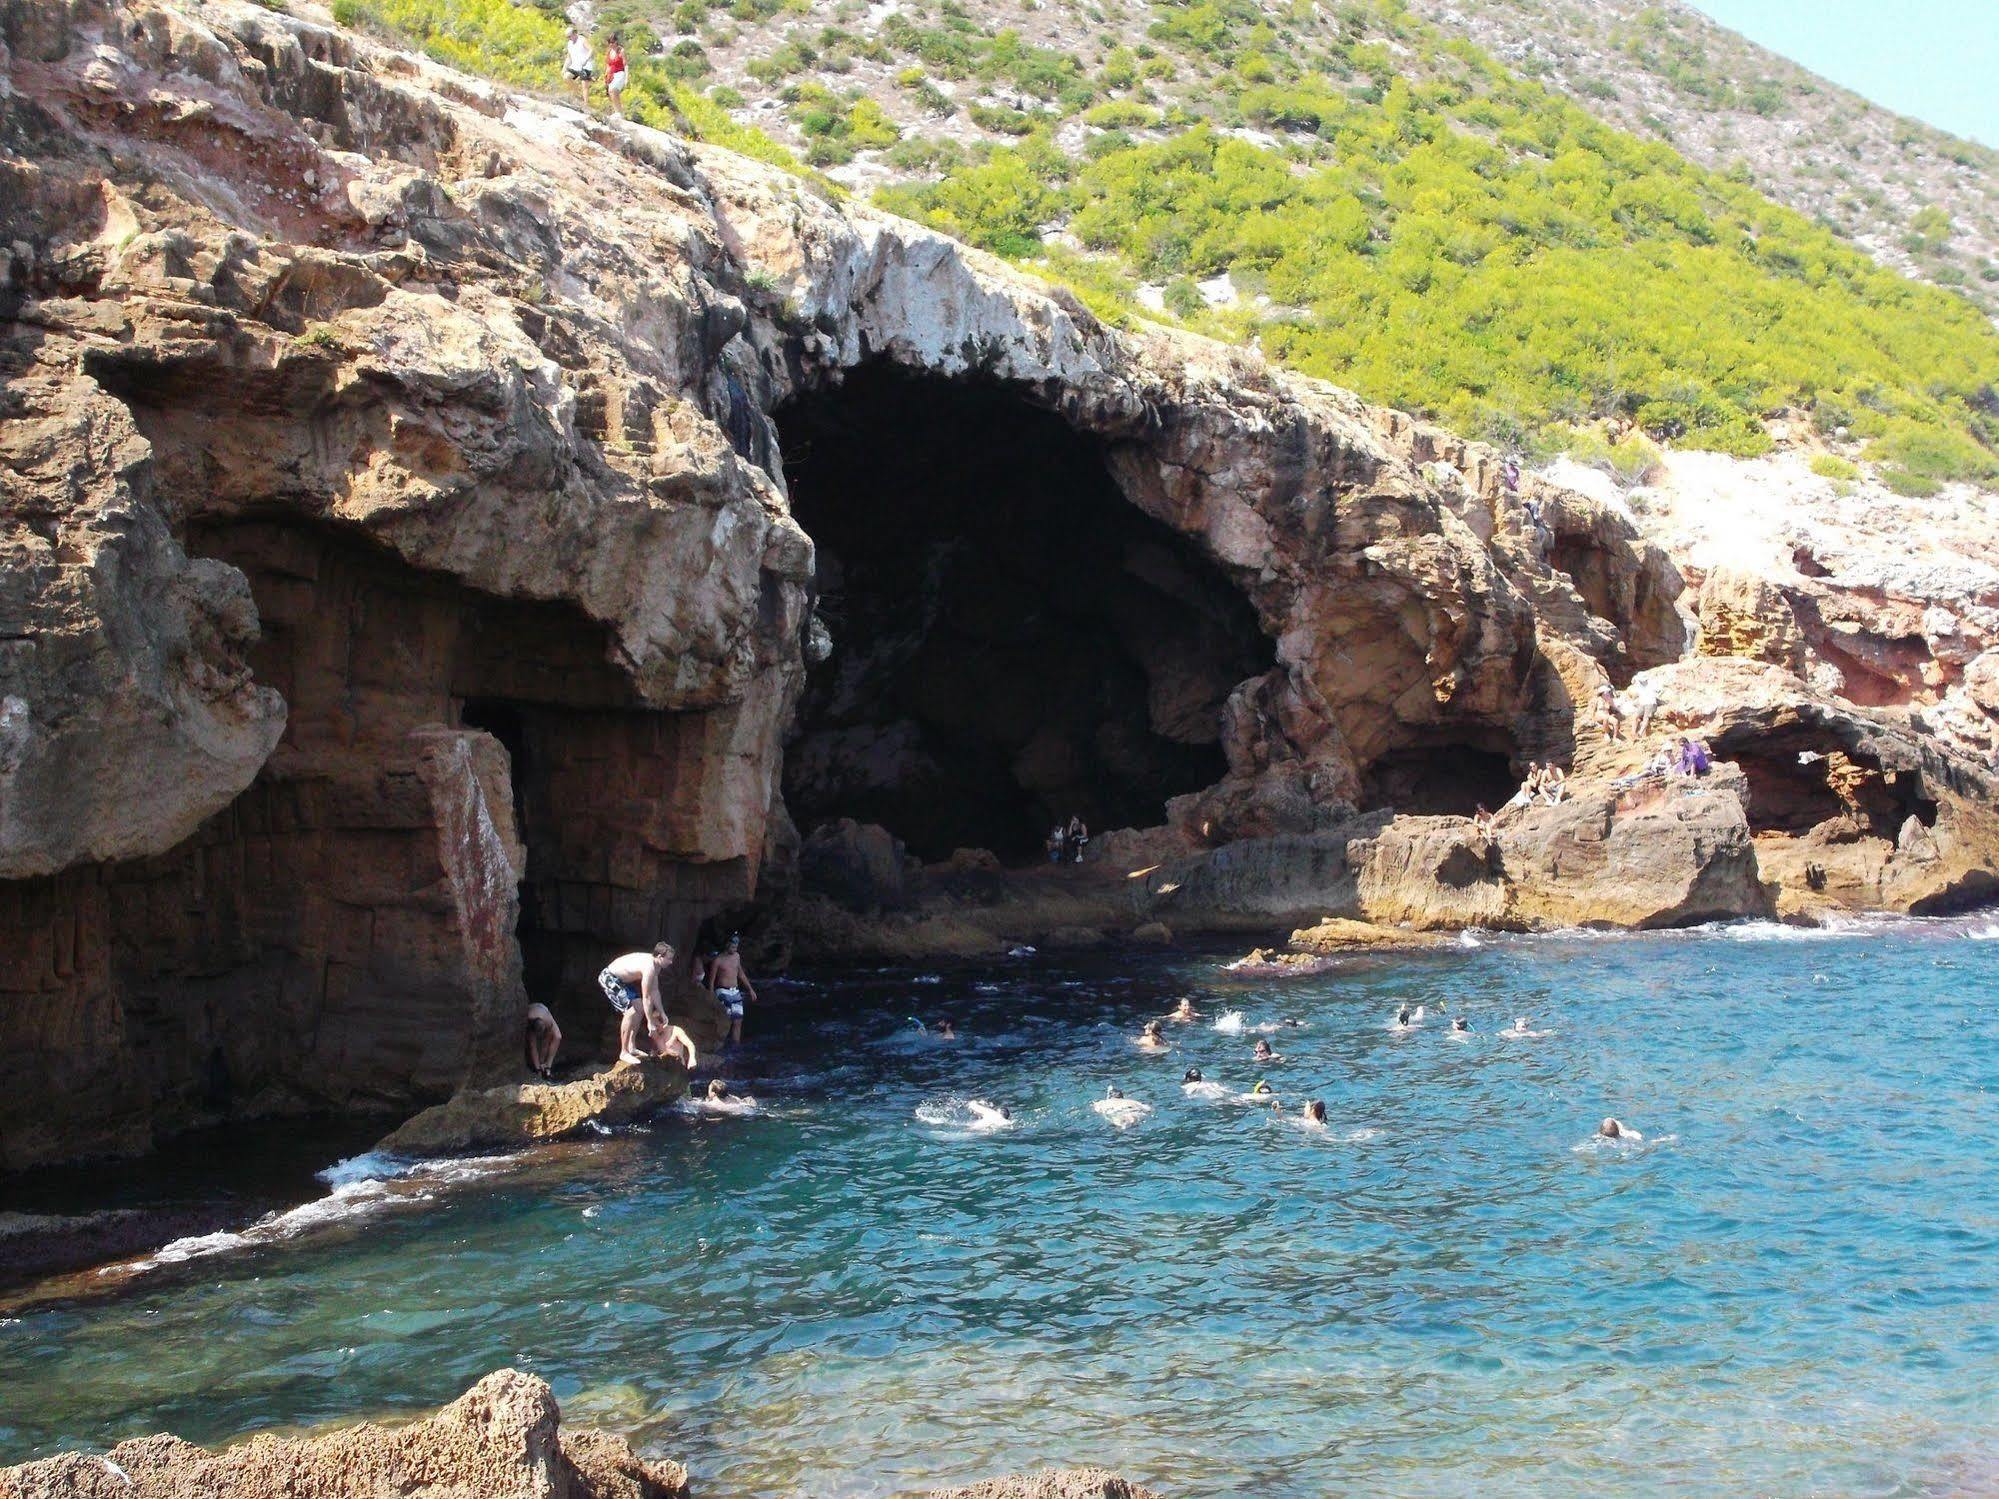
(529, 1113)
(499, 1440)
(1069, 1483)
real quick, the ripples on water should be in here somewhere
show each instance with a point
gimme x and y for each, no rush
(864, 1289)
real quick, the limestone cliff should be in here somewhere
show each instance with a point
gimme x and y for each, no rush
(430, 511)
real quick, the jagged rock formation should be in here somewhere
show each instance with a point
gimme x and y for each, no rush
(421, 469)
(498, 1440)
(515, 1114)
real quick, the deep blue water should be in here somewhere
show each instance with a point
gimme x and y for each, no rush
(1791, 1287)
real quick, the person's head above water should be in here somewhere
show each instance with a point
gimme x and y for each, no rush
(1520, 1022)
(1193, 1075)
(717, 1088)
(1461, 1024)
(1315, 1110)
(1261, 1086)
(1113, 1091)
(1402, 1015)
(1610, 1129)
(1185, 1007)
(944, 1026)
(1152, 1027)
(1262, 1050)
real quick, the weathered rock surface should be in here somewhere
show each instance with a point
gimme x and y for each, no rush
(499, 1439)
(1070, 1483)
(405, 609)
(529, 1113)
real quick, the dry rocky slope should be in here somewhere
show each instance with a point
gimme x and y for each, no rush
(429, 513)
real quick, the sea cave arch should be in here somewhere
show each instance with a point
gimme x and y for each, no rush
(1013, 640)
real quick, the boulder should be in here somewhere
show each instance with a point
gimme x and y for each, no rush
(859, 866)
(501, 1439)
(528, 1113)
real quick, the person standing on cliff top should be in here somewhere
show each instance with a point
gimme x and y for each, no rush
(578, 62)
(635, 984)
(728, 983)
(614, 74)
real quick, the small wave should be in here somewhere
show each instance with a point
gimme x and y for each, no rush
(1022, 950)
(972, 1115)
(1623, 1145)
(696, 1108)
(1122, 1112)
(1984, 934)
(1229, 1022)
(1469, 938)
(928, 978)
(362, 1185)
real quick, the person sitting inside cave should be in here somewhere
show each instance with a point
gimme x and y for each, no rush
(542, 1040)
(1079, 838)
(1058, 843)
(728, 983)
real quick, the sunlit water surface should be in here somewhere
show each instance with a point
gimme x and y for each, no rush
(1790, 1288)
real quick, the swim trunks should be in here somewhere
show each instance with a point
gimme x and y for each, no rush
(732, 1001)
(621, 994)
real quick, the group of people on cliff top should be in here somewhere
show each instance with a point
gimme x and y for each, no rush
(636, 985)
(1629, 717)
(579, 65)
(1066, 843)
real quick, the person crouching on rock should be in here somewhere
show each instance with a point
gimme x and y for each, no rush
(543, 1040)
(635, 985)
(728, 983)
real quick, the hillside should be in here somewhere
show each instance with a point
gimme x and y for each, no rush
(1347, 188)
(1916, 198)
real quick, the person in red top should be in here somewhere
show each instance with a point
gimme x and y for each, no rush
(614, 73)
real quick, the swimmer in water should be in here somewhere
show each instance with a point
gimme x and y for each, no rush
(1185, 1011)
(944, 1030)
(1263, 1053)
(1523, 1029)
(1612, 1129)
(717, 1090)
(1263, 1092)
(1192, 1075)
(1153, 1037)
(1314, 1111)
(1402, 1018)
(1460, 1026)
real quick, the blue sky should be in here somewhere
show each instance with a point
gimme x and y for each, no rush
(1935, 59)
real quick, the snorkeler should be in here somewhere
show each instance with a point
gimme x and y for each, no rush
(1460, 1026)
(1185, 1011)
(1152, 1038)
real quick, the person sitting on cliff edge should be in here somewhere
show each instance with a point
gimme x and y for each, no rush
(635, 984)
(728, 983)
(543, 1040)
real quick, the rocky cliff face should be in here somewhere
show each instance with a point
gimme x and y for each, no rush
(407, 595)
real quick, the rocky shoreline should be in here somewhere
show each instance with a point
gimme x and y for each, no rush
(502, 1439)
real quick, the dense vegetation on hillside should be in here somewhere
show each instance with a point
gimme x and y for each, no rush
(1393, 211)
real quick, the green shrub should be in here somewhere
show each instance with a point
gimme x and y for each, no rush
(1831, 466)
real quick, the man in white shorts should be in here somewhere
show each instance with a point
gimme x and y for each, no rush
(635, 984)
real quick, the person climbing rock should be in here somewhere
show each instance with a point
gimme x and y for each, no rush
(729, 983)
(543, 1039)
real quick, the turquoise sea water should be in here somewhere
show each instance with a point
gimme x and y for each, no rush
(1790, 1288)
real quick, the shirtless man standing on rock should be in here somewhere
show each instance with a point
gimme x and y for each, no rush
(635, 985)
(728, 983)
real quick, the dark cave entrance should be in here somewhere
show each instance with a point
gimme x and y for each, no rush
(1793, 775)
(1440, 780)
(1014, 641)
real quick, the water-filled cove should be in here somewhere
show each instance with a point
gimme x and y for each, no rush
(1787, 1288)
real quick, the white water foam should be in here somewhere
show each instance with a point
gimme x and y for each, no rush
(1229, 1022)
(362, 1185)
(1984, 933)
(968, 1115)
